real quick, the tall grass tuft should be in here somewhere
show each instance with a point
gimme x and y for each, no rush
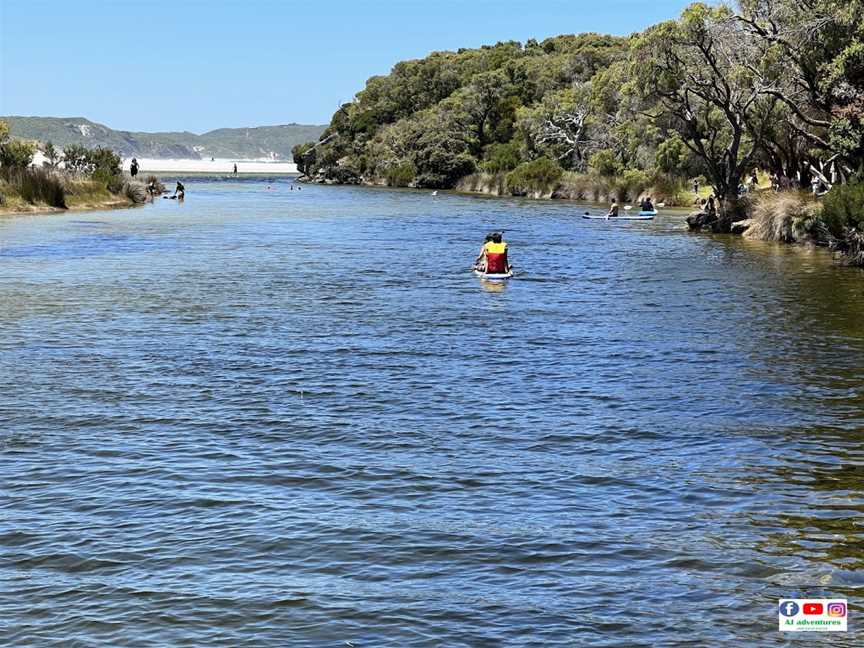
(788, 217)
(36, 186)
(494, 184)
(158, 187)
(135, 191)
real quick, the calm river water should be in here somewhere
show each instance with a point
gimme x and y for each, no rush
(294, 418)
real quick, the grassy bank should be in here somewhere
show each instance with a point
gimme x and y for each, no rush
(797, 217)
(32, 190)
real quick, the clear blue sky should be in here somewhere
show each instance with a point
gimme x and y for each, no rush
(202, 64)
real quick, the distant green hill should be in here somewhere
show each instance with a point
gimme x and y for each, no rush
(240, 143)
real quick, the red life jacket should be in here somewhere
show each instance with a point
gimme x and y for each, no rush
(496, 258)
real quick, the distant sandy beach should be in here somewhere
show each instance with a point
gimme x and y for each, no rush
(220, 165)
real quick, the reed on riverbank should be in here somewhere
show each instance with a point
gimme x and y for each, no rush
(31, 186)
(578, 186)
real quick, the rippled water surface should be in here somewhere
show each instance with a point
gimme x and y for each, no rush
(294, 418)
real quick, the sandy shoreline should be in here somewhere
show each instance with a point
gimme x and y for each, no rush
(219, 166)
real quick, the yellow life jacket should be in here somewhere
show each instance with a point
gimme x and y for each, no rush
(496, 248)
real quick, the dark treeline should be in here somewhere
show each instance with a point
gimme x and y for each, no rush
(771, 84)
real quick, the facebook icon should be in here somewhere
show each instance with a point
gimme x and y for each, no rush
(788, 608)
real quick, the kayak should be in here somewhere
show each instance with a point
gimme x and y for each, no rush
(640, 216)
(494, 276)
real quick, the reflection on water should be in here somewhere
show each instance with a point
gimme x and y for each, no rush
(295, 418)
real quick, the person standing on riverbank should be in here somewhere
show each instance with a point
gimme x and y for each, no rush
(133, 168)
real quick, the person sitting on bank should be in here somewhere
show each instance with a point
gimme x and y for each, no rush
(180, 191)
(613, 210)
(711, 207)
(495, 252)
(753, 181)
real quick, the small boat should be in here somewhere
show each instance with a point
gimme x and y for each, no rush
(493, 276)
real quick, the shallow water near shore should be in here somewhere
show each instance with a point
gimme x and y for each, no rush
(295, 418)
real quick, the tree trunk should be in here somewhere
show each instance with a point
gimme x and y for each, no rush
(731, 210)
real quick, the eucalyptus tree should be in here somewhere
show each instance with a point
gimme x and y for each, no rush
(809, 55)
(560, 127)
(695, 72)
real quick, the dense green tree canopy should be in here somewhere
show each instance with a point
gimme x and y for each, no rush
(775, 84)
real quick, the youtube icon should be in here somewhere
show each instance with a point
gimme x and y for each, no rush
(813, 608)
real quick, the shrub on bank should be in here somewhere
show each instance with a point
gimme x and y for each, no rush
(843, 208)
(400, 175)
(75, 158)
(501, 158)
(631, 184)
(16, 154)
(80, 159)
(537, 177)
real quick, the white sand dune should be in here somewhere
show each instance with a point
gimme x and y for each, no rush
(220, 165)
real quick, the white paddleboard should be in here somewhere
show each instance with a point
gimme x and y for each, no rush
(494, 277)
(641, 216)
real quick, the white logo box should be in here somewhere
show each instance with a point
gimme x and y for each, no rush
(813, 615)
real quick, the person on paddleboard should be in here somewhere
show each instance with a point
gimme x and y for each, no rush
(495, 253)
(646, 205)
(613, 210)
(480, 261)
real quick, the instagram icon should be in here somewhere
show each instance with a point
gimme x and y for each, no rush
(836, 609)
